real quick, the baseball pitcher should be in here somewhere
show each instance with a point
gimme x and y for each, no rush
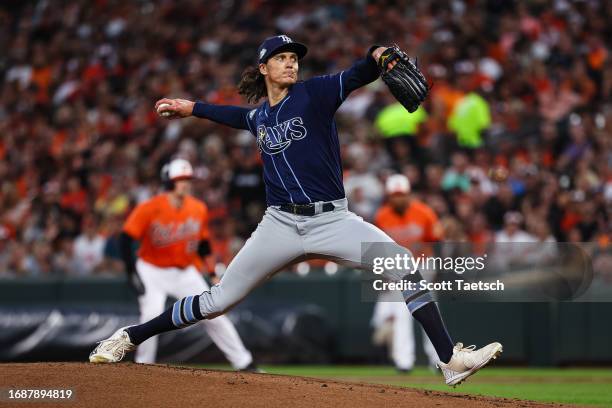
(307, 214)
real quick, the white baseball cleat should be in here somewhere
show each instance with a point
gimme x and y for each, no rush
(467, 360)
(113, 349)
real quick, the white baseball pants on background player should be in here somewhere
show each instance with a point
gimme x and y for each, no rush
(282, 238)
(160, 283)
(403, 350)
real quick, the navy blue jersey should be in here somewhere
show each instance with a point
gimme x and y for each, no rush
(297, 137)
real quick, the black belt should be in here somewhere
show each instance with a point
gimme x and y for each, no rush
(306, 209)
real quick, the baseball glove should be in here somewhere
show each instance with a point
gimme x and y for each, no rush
(405, 81)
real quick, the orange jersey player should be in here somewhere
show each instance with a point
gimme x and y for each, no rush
(172, 228)
(407, 220)
(169, 236)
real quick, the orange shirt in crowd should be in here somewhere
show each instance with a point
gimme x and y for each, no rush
(419, 223)
(75, 200)
(447, 95)
(597, 58)
(169, 236)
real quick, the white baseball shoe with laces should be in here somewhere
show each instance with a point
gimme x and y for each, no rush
(113, 349)
(467, 360)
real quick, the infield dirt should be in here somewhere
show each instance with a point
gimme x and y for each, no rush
(136, 385)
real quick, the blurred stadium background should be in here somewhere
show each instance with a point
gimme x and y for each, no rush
(519, 120)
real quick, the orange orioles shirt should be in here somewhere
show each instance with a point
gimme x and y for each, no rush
(418, 224)
(169, 236)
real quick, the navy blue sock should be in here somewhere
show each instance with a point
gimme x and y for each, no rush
(431, 321)
(183, 313)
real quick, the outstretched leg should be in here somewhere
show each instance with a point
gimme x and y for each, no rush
(221, 330)
(274, 244)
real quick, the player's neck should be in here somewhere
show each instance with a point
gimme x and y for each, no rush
(276, 94)
(400, 209)
(176, 200)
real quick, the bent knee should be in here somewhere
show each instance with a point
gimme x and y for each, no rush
(213, 304)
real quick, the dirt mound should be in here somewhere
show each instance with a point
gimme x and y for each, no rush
(134, 385)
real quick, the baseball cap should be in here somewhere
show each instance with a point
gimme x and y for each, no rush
(278, 44)
(179, 169)
(397, 183)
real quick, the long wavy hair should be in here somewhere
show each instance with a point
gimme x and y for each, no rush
(252, 85)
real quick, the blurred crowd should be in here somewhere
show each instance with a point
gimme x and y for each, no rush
(514, 138)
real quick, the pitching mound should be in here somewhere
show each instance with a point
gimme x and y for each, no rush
(134, 385)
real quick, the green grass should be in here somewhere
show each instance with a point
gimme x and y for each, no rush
(570, 386)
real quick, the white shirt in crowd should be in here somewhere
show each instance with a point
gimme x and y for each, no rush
(88, 253)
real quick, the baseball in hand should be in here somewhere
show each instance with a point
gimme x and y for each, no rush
(161, 112)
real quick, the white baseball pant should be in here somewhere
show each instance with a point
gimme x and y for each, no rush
(402, 350)
(179, 283)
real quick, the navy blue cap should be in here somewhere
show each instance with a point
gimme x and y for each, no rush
(277, 44)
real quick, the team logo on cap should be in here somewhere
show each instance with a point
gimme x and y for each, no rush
(285, 39)
(262, 53)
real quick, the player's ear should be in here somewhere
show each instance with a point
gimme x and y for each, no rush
(263, 69)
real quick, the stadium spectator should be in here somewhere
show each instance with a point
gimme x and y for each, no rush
(112, 262)
(88, 248)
